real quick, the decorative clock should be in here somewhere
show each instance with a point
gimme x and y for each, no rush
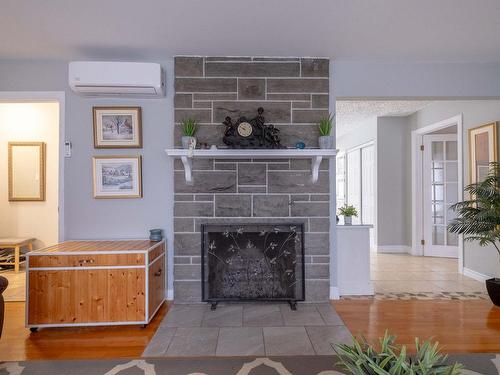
(253, 133)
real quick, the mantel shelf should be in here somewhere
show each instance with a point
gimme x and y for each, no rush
(187, 156)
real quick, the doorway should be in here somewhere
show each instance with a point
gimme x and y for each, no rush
(27, 120)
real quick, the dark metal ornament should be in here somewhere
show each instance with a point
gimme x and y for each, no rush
(239, 134)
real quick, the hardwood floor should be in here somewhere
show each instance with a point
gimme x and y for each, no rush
(17, 343)
(461, 326)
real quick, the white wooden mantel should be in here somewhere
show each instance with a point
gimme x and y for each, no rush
(187, 156)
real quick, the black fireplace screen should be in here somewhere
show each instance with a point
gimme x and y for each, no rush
(253, 262)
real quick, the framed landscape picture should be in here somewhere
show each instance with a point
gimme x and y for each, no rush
(117, 127)
(117, 177)
(482, 151)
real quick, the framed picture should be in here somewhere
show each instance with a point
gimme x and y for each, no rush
(26, 171)
(482, 151)
(117, 177)
(117, 127)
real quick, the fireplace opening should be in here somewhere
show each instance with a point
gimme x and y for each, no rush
(252, 262)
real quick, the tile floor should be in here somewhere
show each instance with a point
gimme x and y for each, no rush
(249, 329)
(398, 273)
(16, 291)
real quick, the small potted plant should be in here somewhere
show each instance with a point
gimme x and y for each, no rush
(325, 126)
(348, 212)
(478, 219)
(189, 128)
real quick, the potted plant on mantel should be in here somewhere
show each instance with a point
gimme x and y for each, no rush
(325, 126)
(478, 219)
(189, 128)
(348, 212)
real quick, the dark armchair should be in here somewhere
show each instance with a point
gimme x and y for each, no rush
(3, 285)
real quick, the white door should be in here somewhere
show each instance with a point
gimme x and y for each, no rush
(354, 181)
(367, 184)
(440, 191)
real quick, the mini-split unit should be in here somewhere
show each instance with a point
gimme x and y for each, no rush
(127, 79)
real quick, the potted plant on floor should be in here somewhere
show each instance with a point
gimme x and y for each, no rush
(348, 212)
(325, 126)
(361, 358)
(478, 219)
(189, 128)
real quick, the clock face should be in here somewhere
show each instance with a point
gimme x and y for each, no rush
(245, 129)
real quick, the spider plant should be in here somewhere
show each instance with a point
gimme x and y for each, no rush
(361, 358)
(189, 127)
(348, 210)
(478, 218)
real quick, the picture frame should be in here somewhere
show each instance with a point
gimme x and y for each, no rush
(117, 127)
(483, 150)
(117, 177)
(26, 171)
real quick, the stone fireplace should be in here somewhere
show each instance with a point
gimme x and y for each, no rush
(294, 95)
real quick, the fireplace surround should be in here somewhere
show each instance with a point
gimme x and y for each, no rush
(252, 262)
(246, 190)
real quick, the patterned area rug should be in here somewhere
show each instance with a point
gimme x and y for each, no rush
(477, 364)
(424, 296)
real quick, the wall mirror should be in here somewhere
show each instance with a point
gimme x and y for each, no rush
(26, 171)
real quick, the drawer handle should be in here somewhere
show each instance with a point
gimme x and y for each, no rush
(158, 273)
(83, 261)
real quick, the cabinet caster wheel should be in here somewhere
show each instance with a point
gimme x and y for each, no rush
(293, 305)
(33, 329)
(213, 306)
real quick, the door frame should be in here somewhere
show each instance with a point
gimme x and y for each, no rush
(417, 182)
(41, 97)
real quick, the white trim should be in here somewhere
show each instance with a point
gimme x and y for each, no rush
(84, 268)
(334, 292)
(355, 290)
(416, 175)
(48, 96)
(475, 275)
(170, 294)
(394, 249)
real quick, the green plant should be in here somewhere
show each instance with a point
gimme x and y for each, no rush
(361, 358)
(325, 125)
(478, 218)
(348, 210)
(189, 127)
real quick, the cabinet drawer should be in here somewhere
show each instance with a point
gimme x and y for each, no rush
(156, 252)
(86, 260)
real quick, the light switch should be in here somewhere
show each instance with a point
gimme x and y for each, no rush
(67, 149)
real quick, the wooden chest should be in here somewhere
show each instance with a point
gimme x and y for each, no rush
(89, 283)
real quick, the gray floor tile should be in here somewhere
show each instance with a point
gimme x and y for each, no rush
(262, 315)
(287, 341)
(305, 315)
(323, 338)
(224, 316)
(184, 316)
(329, 315)
(238, 341)
(198, 341)
(158, 345)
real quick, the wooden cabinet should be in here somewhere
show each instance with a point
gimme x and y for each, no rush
(83, 283)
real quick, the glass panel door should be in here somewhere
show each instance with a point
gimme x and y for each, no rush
(440, 192)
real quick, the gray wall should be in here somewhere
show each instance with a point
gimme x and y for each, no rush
(393, 161)
(86, 217)
(480, 259)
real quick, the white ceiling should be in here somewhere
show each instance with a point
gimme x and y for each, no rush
(352, 115)
(382, 30)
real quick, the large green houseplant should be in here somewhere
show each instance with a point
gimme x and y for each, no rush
(478, 219)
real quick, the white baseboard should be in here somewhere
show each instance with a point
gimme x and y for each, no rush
(475, 275)
(357, 290)
(394, 249)
(170, 294)
(334, 292)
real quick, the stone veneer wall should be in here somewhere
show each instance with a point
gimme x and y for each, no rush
(294, 95)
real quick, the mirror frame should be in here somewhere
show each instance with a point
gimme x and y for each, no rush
(41, 196)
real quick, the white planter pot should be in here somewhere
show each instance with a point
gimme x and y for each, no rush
(326, 142)
(186, 141)
(347, 220)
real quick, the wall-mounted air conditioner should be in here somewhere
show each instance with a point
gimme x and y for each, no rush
(131, 79)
